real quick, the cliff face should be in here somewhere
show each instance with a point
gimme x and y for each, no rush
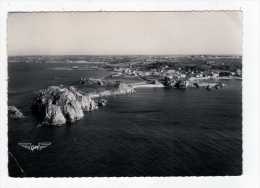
(57, 105)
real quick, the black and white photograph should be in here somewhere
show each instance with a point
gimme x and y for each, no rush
(125, 94)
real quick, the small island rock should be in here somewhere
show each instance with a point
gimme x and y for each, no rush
(14, 113)
(59, 105)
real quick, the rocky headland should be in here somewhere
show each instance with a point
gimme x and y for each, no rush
(59, 105)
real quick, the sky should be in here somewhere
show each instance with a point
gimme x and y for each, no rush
(125, 33)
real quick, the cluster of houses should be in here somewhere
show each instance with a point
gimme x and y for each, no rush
(179, 78)
(176, 74)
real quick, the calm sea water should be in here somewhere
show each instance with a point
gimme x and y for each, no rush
(155, 132)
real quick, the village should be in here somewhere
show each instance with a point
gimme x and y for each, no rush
(182, 77)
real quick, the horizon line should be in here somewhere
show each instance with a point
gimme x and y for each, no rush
(125, 55)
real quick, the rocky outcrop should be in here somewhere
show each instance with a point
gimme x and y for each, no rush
(174, 83)
(102, 102)
(14, 113)
(59, 105)
(54, 115)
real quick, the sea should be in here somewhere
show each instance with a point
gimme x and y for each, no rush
(154, 132)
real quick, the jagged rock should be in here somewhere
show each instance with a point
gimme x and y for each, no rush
(102, 102)
(208, 87)
(175, 83)
(180, 84)
(58, 105)
(196, 85)
(14, 113)
(54, 115)
(169, 82)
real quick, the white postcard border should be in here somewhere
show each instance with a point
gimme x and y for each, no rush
(251, 92)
